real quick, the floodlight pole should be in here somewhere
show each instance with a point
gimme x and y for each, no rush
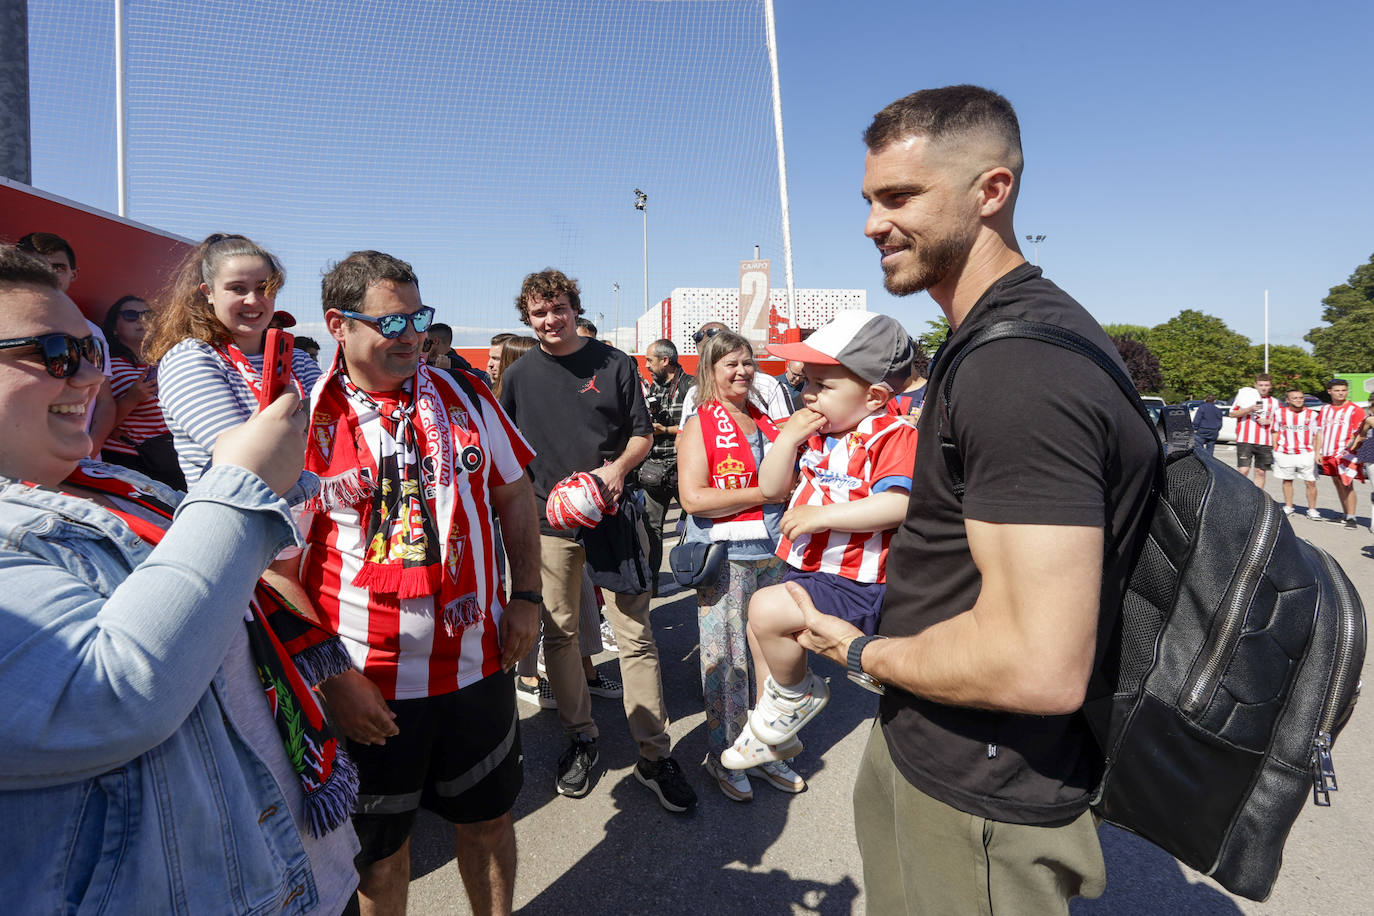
(616, 288)
(1266, 332)
(642, 205)
(1036, 240)
(782, 162)
(121, 139)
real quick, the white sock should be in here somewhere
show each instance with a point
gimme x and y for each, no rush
(794, 691)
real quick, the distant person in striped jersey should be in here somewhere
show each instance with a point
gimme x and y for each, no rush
(207, 341)
(140, 439)
(1254, 410)
(1340, 423)
(1297, 437)
(851, 461)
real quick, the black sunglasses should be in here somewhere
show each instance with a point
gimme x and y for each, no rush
(62, 353)
(134, 314)
(393, 326)
(699, 336)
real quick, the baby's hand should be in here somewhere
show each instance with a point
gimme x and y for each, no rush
(801, 520)
(803, 424)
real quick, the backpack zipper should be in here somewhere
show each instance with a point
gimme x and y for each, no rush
(1234, 607)
(1323, 770)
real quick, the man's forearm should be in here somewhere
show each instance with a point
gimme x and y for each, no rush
(636, 450)
(516, 509)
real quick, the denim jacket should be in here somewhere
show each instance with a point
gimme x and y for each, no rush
(124, 785)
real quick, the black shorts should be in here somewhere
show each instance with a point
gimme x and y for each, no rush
(857, 602)
(1262, 455)
(457, 755)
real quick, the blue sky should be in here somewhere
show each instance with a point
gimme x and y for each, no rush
(1178, 155)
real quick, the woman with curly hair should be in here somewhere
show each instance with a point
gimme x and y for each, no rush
(207, 340)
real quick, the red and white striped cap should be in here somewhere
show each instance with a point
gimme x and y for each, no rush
(575, 501)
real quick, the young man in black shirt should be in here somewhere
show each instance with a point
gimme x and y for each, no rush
(974, 788)
(577, 401)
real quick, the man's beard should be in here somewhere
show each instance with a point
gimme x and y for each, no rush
(933, 263)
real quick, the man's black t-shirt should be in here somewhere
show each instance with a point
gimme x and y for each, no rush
(576, 411)
(1060, 446)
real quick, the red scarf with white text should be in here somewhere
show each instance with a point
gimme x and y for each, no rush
(730, 465)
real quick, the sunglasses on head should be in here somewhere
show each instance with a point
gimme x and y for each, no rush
(393, 326)
(62, 353)
(699, 336)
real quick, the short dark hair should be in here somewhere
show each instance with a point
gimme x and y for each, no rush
(1337, 381)
(21, 268)
(307, 343)
(664, 349)
(548, 284)
(940, 114)
(502, 337)
(1298, 390)
(442, 331)
(1264, 377)
(585, 324)
(347, 283)
(47, 243)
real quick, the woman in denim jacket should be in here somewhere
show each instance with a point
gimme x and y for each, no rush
(126, 782)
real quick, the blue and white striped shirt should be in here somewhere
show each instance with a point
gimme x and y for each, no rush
(202, 396)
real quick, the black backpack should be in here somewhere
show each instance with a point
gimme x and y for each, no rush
(1234, 664)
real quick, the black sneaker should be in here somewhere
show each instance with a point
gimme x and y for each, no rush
(540, 694)
(575, 768)
(665, 778)
(1350, 522)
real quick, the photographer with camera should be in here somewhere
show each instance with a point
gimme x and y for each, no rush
(658, 473)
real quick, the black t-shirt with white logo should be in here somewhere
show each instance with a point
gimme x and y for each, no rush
(1046, 439)
(576, 411)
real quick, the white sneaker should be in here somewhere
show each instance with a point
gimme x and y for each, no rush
(780, 776)
(734, 785)
(778, 718)
(1287, 510)
(748, 751)
(1313, 513)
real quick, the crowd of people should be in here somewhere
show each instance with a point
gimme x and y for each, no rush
(256, 638)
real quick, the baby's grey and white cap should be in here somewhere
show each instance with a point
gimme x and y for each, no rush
(874, 347)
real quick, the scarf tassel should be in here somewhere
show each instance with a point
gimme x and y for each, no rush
(327, 807)
(322, 661)
(395, 578)
(346, 489)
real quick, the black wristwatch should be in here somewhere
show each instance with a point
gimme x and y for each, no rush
(854, 662)
(531, 597)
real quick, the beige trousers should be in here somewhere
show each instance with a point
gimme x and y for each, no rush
(562, 561)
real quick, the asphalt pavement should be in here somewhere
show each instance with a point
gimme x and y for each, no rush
(616, 851)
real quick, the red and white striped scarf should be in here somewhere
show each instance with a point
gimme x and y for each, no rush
(730, 465)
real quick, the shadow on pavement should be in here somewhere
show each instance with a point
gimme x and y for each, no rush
(1144, 880)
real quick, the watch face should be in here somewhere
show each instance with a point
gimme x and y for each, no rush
(867, 682)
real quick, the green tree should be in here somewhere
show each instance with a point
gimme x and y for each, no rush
(936, 332)
(1292, 366)
(1131, 331)
(1199, 355)
(1346, 343)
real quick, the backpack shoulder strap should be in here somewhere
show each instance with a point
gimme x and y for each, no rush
(1029, 330)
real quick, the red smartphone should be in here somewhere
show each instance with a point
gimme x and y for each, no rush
(276, 365)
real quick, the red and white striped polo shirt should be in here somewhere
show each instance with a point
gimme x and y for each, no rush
(140, 424)
(1250, 429)
(396, 642)
(883, 447)
(1338, 424)
(1294, 430)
